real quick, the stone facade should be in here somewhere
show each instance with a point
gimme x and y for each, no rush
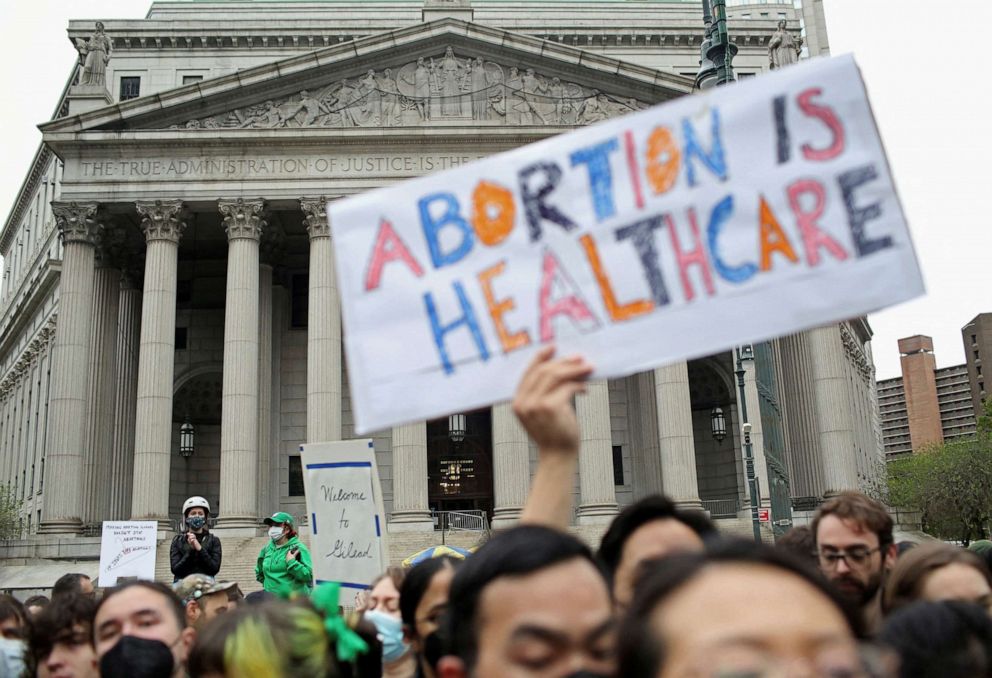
(175, 246)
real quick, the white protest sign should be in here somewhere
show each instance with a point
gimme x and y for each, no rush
(347, 520)
(127, 549)
(737, 215)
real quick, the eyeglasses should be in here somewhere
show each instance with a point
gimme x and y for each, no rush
(855, 556)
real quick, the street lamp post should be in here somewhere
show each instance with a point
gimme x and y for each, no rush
(717, 53)
(747, 353)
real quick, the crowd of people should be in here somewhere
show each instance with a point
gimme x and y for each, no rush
(665, 594)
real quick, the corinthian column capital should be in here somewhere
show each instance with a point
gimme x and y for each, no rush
(315, 217)
(77, 221)
(161, 219)
(242, 218)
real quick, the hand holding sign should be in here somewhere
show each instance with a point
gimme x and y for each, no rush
(737, 215)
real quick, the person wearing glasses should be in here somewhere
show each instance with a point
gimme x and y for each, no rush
(855, 549)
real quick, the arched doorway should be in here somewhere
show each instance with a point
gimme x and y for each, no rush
(459, 467)
(718, 470)
(197, 399)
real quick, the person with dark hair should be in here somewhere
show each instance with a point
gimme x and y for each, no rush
(35, 604)
(937, 572)
(855, 549)
(649, 529)
(532, 602)
(947, 639)
(74, 583)
(139, 631)
(284, 565)
(195, 550)
(423, 602)
(740, 608)
(61, 639)
(14, 627)
(799, 542)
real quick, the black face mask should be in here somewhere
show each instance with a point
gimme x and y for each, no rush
(134, 657)
(433, 649)
(587, 674)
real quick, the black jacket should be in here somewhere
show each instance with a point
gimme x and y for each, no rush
(186, 560)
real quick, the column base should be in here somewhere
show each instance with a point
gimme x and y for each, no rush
(237, 526)
(504, 518)
(68, 526)
(410, 521)
(691, 504)
(596, 514)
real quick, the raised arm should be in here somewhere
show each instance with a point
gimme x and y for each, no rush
(543, 404)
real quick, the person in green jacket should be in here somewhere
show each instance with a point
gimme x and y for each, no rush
(284, 564)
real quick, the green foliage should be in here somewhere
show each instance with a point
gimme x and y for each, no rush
(985, 419)
(10, 512)
(951, 486)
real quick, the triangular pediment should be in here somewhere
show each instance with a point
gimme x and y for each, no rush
(447, 72)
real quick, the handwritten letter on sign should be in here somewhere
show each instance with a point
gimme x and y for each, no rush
(127, 550)
(347, 520)
(738, 215)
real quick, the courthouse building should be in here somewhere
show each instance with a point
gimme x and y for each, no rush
(169, 314)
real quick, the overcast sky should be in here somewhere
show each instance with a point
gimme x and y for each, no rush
(923, 65)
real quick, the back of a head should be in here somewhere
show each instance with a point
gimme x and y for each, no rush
(859, 509)
(798, 541)
(517, 552)
(642, 512)
(275, 639)
(947, 639)
(641, 653)
(68, 584)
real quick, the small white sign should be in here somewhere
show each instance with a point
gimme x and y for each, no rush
(737, 215)
(127, 550)
(347, 520)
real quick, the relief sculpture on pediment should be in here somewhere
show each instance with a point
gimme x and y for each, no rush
(445, 87)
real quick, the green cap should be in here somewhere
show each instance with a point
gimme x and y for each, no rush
(280, 518)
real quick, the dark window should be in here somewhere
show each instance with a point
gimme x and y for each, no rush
(184, 292)
(190, 79)
(744, 76)
(978, 368)
(977, 357)
(974, 338)
(296, 477)
(981, 386)
(301, 300)
(618, 465)
(181, 338)
(130, 87)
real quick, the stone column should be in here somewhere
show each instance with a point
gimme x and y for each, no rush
(643, 411)
(411, 512)
(264, 382)
(833, 410)
(675, 442)
(323, 329)
(126, 382)
(597, 492)
(511, 466)
(162, 224)
(243, 224)
(100, 422)
(62, 510)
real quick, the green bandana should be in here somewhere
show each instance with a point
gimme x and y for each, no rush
(349, 644)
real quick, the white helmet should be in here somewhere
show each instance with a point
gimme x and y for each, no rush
(196, 502)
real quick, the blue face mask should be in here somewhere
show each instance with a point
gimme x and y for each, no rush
(390, 631)
(196, 522)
